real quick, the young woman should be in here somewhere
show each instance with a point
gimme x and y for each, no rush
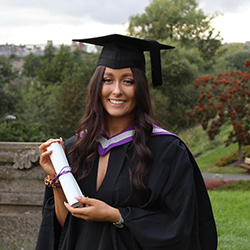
(142, 187)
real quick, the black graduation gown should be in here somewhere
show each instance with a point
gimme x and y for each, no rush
(176, 215)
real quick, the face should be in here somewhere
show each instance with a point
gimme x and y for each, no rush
(118, 93)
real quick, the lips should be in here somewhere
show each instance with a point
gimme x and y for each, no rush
(118, 102)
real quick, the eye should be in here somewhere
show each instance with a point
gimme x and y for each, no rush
(128, 81)
(107, 80)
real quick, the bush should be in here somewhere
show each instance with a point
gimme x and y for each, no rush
(228, 159)
(213, 183)
(235, 185)
(18, 131)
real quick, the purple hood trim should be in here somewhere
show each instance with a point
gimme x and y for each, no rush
(105, 143)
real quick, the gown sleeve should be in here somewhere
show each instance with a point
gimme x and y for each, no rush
(50, 229)
(170, 218)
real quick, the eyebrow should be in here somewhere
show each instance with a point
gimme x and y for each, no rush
(124, 75)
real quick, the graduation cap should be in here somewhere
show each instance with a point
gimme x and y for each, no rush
(127, 52)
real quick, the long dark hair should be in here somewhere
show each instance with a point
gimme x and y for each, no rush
(85, 148)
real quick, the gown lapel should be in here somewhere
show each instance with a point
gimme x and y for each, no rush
(116, 160)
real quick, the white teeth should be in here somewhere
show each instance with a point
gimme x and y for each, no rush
(116, 102)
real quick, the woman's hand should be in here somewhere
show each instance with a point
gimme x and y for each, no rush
(45, 161)
(94, 210)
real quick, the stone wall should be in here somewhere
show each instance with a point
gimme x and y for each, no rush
(21, 195)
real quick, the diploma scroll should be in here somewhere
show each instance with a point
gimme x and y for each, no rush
(67, 180)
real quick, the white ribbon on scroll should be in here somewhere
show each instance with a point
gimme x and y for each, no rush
(67, 180)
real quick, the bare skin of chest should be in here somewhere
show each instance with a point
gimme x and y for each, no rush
(102, 169)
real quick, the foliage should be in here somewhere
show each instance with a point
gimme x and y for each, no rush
(51, 99)
(19, 131)
(49, 52)
(34, 110)
(228, 57)
(208, 45)
(6, 73)
(54, 68)
(8, 90)
(69, 100)
(52, 109)
(178, 20)
(228, 159)
(224, 99)
(177, 92)
(237, 60)
(235, 185)
(182, 24)
(9, 96)
(212, 184)
(174, 19)
(31, 64)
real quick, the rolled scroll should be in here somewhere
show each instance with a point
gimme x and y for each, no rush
(62, 168)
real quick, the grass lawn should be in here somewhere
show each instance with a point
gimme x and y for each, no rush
(231, 212)
(207, 152)
(230, 207)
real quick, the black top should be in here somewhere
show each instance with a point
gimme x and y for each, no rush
(176, 215)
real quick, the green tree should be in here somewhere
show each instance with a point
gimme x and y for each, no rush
(237, 59)
(49, 52)
(19, 131)
(178, 20)
(6, 72)
(62, 64)
(8, 90)
(31, 64)
(70, 98)
(53, 110)
(174, 19)
(208, 46)
(35, 110)
(177, 92)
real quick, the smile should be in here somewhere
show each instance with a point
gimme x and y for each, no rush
(116, 101)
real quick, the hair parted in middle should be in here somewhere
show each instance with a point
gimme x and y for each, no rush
(85, 148)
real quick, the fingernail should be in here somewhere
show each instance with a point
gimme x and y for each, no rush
(64, 203)
(78, 197)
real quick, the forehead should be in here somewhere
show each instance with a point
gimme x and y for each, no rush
(123, 71)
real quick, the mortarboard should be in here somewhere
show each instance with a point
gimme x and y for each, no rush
(127, 52)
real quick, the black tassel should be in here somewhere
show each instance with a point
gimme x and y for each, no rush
(155, 56)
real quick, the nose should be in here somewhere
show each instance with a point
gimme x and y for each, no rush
(117, 88)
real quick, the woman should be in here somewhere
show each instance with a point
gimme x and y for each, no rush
(142, 187)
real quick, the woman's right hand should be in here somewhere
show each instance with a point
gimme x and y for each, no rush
(45, 161)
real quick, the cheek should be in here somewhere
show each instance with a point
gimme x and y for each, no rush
(104, 92)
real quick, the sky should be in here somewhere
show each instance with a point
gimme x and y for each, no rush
(35, 22)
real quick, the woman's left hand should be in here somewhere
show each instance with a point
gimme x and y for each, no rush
(94, 210)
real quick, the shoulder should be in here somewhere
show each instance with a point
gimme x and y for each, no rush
(162, 136)
(166, 140)
(168, 147)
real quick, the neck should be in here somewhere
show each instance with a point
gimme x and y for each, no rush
(113, 126)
